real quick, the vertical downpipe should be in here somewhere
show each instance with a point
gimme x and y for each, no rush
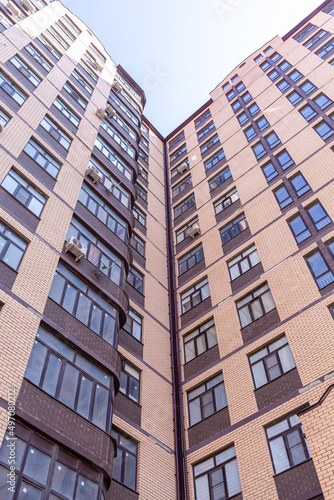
(180, 455)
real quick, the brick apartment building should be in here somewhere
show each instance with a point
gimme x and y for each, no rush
(167, 310)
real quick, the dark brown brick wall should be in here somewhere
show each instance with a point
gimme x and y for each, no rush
(119, 492)
(134, 295)
(130, 343)
(297, 481)
(235, 242)
(277, 389)
(182, 193)
(185, 215)
(260, 325)
(228, 211)
(7, 275)
(18, 211)
(208, 427)
(196, 311)
(127, 408)
(221, 187)
(185, 243)
(38, 172)
(201, 362)
(244, 279)
(192, 272)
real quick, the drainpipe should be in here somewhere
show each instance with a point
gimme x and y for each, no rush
(180, 448)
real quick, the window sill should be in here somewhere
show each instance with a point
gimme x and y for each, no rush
(197, 357)
(206, 418)
(293, 467)
(277, 378)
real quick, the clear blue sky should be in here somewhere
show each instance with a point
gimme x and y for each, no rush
(179, 50)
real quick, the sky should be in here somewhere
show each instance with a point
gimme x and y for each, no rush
(179, 50)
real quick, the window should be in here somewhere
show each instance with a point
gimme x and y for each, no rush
(275, 57)
(103, 212)
(294, 97)
(234, 228)
(330, 246)
(299, 229)
(269, 171)
(88, 70)
(307, 87)
(82, 302)
(125, 464)
(134, 324)
(253, 109)
(4, 21)
(319, 269)
(53, 129)
(242, 118)
(190, 259)
(139, 215)
(265, 65)
(284, 65)
(111, 184)
(206, 399)
(122, 106)
(138, 244)
(329, 10)
(4, 118)
(282, 196)
(220, 178)
(12, 247)
(184, 206)
(44, 160)
(328, 47)
(143, 155)
(38, 57)
(283, 85)
(288, 446)
(74, 94)
(24, 192)
(230, 95)
(135, 279)
(284, 159)
(240, 86)
(250, 133)
(183, 232)
(272, 140)
(178, 153)
(59, 39)
(211, 162)
(318, 215)
(303, 32)
(144, 142)
(324, 130)
(49, 47)
(246, 97)
(236, 105)
(315, 38)
(25, 70)
(258, 58)
(195, 295)
(176, 139)
(227, 200)
(199, 340)
(65, 30)
(225, 86)
(234, 78)
(45, 470)
(113, 157)
(72, 379)
(255, 305)
(82, 82)
(322, 101)
(308, 112)
(98, 254)
(268, 49)
(209, 144)
(203, 117)
(66, 111)
(12, 90)
(141, 192)
(71, 23)
(175, 170)
(271, 362)
(217, 477)
(259, 150)
(128, 130)
(295, 75)
(262, 123)
(129, 382)
(205, 130)
(181, 186)
(243, 262)
(273, 74)
(144, 174)
(299, 185)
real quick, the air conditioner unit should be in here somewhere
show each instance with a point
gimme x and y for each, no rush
(116, 86)
(93, 172)
(28, 5)
(110, 110)
(77, 248)
(183, 167)
(12, 7)
(194, 230)
(98, 65)
(101, 113)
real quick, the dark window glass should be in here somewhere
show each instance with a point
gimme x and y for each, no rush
(284, 65)
(178, 152)
(59, 39)
(294, 97)
(243, 262)
(308, 112)
(11, 89)
(262, 123)
(56, 132)
(307, 87)
(243, 118)
(254, 305)
(125, 464)
(74, 94)
(328, 47)
(318, 215)
(141, 192)
(283, 85)
(205, 130)
(322, 101)
(236, 105)
(329, 10)
(109, 153)
(24, 192)
(139, 215)
(190, 259)
(209, 144)
(259, 150)
(246, 97)
(233, 228)
(299, 229)
(265, 65)
(181, 186)
(282, 196)
(315, 38)
(253, 109)
(183, 232)
(303, 32)
(206, 399)
(250, 133)
(44, 160)
(227, 200)
(220, 178)
(269, 171)
(319, 269)
(199, 340)
(138, 244)
(284, 159)
(66, 111)
(176, 139)
(135, 279)
(275, 57)
(271, 362)
(12, 247)
(184, 206)
(287, 444)
(203, 117)
(49, 47)
(273, 74)
(211, 162)
(295, 75)
(324, 130)
(28, 73)
(195, 295)
(230, 95)
(240, 86)
(130, 382)
(272, 140)
(299, 184)
(134, 324)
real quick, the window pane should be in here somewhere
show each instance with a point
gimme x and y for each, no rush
(52, 374)
(201, 345)
(29, 492)
(232, 478)
(202, 488)
(195, 411)
(268, 301)
(259, 374)
(69, 385)
(257, 309)
(85, 394)
(278, 451)
(286, 358)
(100, 406)
(130, 471)
(36, 363)
(87, 490)
(63, 481)
(189, 351)
(220, 397)
(83, 308)
(37, 465)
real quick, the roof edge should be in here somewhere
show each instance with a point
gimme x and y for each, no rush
(306, 19)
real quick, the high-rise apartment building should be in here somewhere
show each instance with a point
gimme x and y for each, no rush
(167, 311)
